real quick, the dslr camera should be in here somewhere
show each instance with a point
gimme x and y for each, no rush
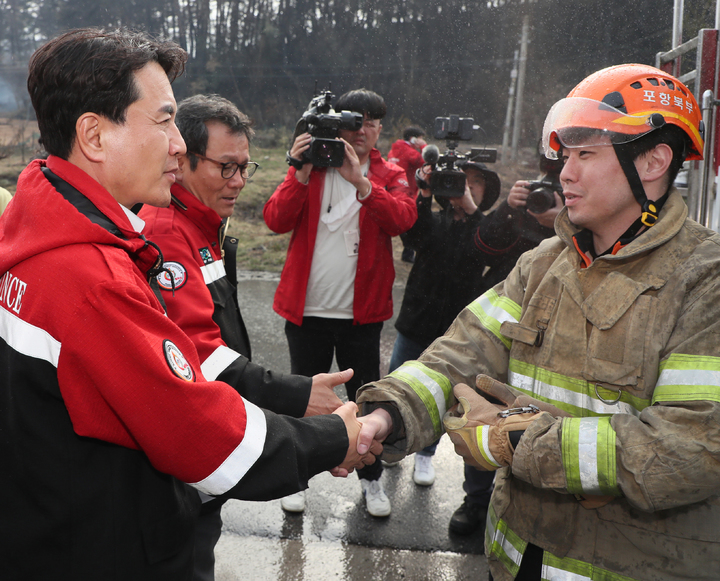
(542, 194)
(323, 123)
(446, 180)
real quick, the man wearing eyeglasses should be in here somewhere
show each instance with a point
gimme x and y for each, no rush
(199, 284)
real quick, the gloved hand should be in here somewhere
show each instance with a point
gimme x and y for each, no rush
(496, 391)
(500, 393)
(480, 430)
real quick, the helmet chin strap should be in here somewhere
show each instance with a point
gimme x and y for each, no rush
(650, 208)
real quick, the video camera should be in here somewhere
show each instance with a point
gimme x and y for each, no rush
(446, 180)
(323, 123)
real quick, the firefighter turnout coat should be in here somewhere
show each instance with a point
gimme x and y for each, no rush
(628, 346)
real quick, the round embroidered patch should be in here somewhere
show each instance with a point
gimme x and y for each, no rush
(177, 362)
(177, 271)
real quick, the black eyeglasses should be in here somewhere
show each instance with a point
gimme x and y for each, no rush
(229, 169)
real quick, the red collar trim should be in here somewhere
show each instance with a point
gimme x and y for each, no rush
(206, 219)
(93, 191)
(586, 258)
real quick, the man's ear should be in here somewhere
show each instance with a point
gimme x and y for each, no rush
(183, 167)
(88, 136)
(655, 163)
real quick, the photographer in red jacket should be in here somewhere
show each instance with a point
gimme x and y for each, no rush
(336, 286)
(407, 153)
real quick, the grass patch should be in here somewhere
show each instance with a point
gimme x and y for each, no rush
(258, 247)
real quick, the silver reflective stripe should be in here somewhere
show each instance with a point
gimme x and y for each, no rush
(554, 574)
(507, 547)
(213, 271)
(587, 455)
(241, 459)
(560, 394)
(28, 339)
(688, 377)
(218, 362)
(485, 430)
(496, 312)
(429, 383)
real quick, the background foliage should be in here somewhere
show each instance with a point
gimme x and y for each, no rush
(427, 58)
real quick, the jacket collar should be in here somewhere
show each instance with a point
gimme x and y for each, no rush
(96, 204)
(671, 220)
(96, 195)
(206, 219)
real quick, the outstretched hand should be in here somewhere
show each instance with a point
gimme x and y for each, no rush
(322, 397)
(354, 459)
(376, 426)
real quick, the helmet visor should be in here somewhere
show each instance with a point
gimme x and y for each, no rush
(579, 122)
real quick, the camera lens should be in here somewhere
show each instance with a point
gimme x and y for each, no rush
(540, 200)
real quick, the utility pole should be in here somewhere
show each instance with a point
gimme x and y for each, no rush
(508, 113)
(520, 86)
(677, 34)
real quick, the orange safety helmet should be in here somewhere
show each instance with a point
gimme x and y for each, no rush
(620, 104)
(617, 105)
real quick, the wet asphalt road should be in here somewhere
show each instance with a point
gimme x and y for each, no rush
(335, 538)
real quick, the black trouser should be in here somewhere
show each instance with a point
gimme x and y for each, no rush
(313, 344)
(207, 533)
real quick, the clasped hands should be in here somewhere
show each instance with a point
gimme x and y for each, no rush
(324, 401)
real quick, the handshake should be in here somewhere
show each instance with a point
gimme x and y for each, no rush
(354, 458)
(361, 450)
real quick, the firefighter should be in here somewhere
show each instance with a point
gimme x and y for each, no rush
(595, 363)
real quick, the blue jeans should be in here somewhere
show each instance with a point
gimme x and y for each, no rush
(408, 350)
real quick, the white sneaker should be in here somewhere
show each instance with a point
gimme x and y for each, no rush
(376, 501)
(424, 474)
(294, 502)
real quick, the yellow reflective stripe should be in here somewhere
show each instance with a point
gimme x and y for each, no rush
(640, 119)
(588, 453)
(508, 548)
(556, 569)
(575, 396)
(493, 310)
(482, 433)
(431, 387)
(503, 543)
(685, 377)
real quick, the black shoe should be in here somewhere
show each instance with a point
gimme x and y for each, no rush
(466, 519)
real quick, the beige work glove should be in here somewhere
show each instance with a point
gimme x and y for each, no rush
(480, 429)
(496, 391)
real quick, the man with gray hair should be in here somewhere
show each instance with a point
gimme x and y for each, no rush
(199, 281)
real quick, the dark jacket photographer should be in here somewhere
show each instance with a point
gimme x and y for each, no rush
(512, 229)
(449, 266)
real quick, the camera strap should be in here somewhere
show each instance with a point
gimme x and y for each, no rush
(293, 161)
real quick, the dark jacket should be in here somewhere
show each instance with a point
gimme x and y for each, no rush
(507, 234)
(448, 272)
